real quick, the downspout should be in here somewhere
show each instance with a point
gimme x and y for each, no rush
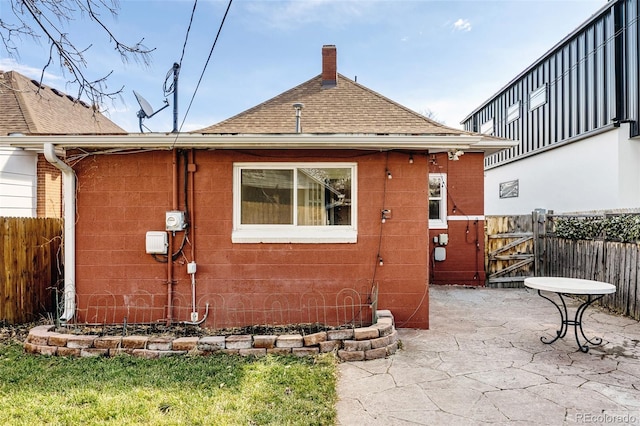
(619, 62)
(69, 238)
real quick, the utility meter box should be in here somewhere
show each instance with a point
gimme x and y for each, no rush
(175, 221)
(157, 242)
(440, 254)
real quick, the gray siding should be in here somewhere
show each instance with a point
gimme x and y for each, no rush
(589, 78)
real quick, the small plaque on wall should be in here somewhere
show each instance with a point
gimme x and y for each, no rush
(509, 189)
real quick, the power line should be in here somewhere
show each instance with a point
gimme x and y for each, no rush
(204, 68)
(184, 46)
(170, 83)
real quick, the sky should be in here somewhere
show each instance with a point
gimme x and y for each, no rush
(441, 58)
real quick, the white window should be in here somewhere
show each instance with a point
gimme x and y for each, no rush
(294, 203)
(538, 97)
(487, 127)
(437, 201)
(513, 112)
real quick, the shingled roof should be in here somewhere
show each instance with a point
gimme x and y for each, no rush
(333, 104)
(33, 109)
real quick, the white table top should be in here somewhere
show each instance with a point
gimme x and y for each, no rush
(569, 285)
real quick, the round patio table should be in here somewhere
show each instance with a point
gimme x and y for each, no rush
(594, 290)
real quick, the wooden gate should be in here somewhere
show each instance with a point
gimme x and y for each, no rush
(510, 249)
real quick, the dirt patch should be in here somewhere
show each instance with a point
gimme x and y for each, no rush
(181, 330)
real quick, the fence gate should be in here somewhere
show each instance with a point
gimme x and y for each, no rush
(510, 248)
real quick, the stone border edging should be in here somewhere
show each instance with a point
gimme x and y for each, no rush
(358, 344)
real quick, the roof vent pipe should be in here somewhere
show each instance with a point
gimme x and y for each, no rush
(69, 241)
(298, 107)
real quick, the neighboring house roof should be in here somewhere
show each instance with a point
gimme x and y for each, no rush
(343, 108)
(34, 109)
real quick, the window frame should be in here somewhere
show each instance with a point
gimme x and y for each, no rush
(440, 223)
(513, 112)
(291, 233)
(487, 128)
(538, 97)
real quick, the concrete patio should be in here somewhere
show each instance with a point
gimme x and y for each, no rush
(482, 362)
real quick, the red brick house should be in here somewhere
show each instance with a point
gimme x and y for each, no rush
(314, 206)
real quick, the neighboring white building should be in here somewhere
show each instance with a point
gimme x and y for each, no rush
(18, 182)
(575, 114)
(601, 172)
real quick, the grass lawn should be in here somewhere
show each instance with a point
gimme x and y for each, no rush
(212, 390)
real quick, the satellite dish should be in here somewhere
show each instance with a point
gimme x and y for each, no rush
(146, 110)
(145, 107)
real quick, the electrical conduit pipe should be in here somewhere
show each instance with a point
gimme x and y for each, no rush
(174, 205)
(191, 169)
(69, 237)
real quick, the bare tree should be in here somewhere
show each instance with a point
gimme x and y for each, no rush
(428, 112)
(44, 20)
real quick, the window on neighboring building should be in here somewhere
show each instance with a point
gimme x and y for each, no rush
(487, 127)
(513, 112)
(437, 201)
(538, 97)
(287, 202)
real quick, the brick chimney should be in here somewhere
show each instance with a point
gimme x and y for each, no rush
(329, 66)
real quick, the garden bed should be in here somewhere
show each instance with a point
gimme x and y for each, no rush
(188, 330)
(154, 341)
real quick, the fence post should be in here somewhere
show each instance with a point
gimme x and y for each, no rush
(603, 272)
(536, 251)
(539, 218)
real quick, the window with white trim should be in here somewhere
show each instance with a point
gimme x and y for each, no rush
(513, 112)
(437, 201)
(487, 127)
(538, 97)
(294, 203)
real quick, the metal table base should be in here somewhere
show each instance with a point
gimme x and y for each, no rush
(565, 322)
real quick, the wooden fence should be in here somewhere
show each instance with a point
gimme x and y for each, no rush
(29, 253)
(608, 261)
(509, 250)
(522, 246)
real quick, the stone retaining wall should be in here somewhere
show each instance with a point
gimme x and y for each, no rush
(358, 344)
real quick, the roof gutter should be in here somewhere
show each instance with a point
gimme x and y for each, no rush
(168, 141)
(69, 238)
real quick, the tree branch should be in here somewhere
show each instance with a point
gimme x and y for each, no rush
(34, 19)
